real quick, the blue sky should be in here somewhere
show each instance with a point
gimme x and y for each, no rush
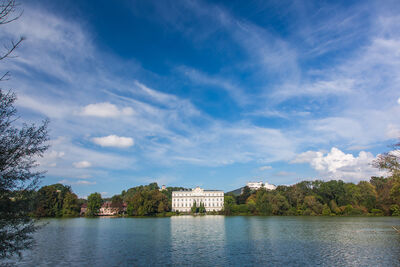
(214, 94)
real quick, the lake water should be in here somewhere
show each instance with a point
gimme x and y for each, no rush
(217, 241)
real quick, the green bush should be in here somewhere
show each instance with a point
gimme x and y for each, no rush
(395, 210)
(377, 212)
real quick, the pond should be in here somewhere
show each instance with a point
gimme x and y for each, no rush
(216, 241)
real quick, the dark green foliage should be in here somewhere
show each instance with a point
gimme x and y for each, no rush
(71, 206)
(320, 198)
(94, 204)
(377, 212)
(241, 199)
(194, 208)
(395, 210)
(132, 191)
(50, 200)
(202, 209)
(326, 210)
(147, 201)
(229, 202)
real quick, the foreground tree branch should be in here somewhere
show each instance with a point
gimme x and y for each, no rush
(20, 147)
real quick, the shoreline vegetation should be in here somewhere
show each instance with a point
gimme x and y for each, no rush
(377, 197)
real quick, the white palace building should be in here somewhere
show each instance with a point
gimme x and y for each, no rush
(182, 201)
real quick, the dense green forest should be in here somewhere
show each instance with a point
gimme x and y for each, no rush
(379, 196)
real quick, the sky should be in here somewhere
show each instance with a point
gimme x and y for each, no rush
(207, 93)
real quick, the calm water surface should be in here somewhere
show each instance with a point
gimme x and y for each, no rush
(217, 241)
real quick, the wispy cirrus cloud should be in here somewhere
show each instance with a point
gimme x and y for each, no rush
(114, 141)
(82, 164)
(264, 168)
(105, 110)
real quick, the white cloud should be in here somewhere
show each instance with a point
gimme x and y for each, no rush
(398, 101)
(84, 182)
(264, 168)
(113, 141)
(393, 131)
(105, 110)
(338, 165)
(80, 182)
(82, 164)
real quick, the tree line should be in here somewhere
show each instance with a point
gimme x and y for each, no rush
(379, 196)
(59, 201)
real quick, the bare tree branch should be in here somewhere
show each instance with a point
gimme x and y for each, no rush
(12, 48)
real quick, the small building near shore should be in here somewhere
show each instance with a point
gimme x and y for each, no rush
(107, 210)
(83, 209)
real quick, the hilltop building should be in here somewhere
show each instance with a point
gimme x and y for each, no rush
(258, 185)
(254, 185)
(182, 201)
(269, 186)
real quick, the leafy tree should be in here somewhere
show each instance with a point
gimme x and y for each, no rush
(251, 205)
(55, 201)
(334, 207)
(94, 204)
(279, 204)
(313, 205)
(395, 210)
(368, 195)
(71, 207)
(390, 161)
(147, 203)
(263, 204)
(229, 202)
(244, 195)
(352, 194)
(383, 186)
(20, 147)
(202, 209)
(50, 200)
(326, 210)
(194, 208)
(132, 191)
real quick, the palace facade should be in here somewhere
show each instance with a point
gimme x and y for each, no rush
(182, 201)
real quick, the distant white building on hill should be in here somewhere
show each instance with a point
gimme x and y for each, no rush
(182, 201)
(258, 185)
(269, 186)
(254, 185)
